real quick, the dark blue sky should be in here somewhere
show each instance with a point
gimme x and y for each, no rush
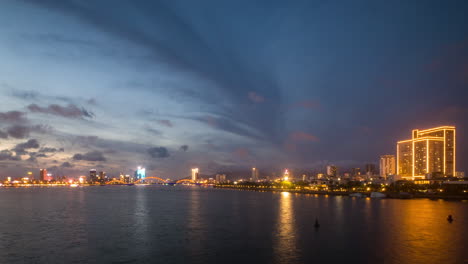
(219, 84)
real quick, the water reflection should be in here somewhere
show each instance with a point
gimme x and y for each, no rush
(194, 225)
(285, 246)
(141, 214)
(422, 228)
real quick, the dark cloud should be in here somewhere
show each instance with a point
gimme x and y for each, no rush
(90, 156)
(50, 150)
(66, 165)
(8, 155)
(85, 141)
(3, 134)
(165, 122)
(20, 149)
(25, 95)
(13, 117)
(91, 101)
(184, 148)
(228, 125)
(158, 152)
(69, 111)
(22, 131)
(153, 131)
(18, 131)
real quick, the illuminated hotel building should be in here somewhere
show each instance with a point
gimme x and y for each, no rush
(195, 174)
(430, 151)
(387, 165)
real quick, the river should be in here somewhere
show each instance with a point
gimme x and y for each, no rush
(193, 224)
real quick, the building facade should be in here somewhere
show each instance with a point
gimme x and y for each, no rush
(429, 152)
(387, 165)
(254, 174)
(332, 170)
(93, 175)
(42, 175)
(195, 172)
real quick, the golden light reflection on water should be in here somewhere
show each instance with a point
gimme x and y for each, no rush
(422, 233)
(285, 246)
(194, 224)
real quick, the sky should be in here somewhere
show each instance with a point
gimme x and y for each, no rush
(221, 85)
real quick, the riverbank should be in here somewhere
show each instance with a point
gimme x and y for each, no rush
(347, 193)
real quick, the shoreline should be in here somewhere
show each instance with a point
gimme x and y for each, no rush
(346, 193)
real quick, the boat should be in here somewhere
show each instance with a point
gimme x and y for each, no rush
(358, 195)
(377, 195)
(74, 185)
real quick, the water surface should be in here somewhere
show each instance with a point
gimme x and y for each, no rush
(183, 224)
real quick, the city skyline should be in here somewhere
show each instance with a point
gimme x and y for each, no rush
(88, 86)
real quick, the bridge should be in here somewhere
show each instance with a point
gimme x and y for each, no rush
(158, 179)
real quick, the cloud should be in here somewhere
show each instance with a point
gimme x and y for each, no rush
(153, 131)
(69, 111)
(50, 150)
(228, 125)
(158, 152)
(20, 149)
(165, 122)
(8, 155)
(90, 156)
(25, 95)
(256, 98)
(308, 104)
(3, 134)
(66, 165)
(184, 148)
(302, 136)
(241, 153)
(13, 117)
(21, 131)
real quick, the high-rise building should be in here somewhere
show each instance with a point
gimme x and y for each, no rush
(387, 165)
(195, 174)
(370, 169)
(93, 175)
(286, 175)
(356, 171)
(332, 170)
(140, 173)
(82, 179)
(42, 174)
(220, 178)
(254, 174)
(430, 151)
(102, 176)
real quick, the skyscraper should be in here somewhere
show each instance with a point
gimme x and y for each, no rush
(194, 174)
(430, 151)
(387, 165)
(93, 175)
(370, 169)
(42, 174)
(332, 170)
(220, 178)
(140, 173)
(254, 174)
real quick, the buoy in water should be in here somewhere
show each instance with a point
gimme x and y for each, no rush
(450, 218)
(316, 225)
